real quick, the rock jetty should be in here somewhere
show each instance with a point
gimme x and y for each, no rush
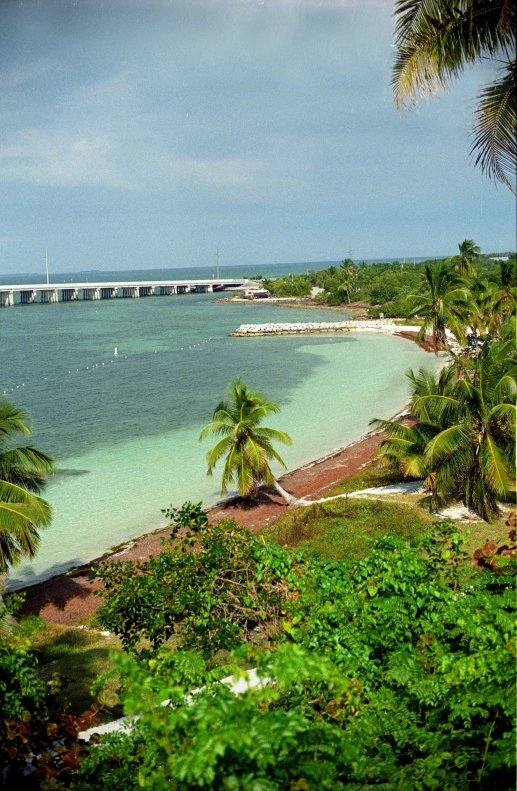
(298, 328)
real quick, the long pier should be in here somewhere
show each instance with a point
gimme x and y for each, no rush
(48, 293)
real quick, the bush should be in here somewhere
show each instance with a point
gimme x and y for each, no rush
(212, 587)
(396, 671)
(22, 691)
(36, 751)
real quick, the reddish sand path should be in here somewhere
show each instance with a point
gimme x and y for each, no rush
(68, 599)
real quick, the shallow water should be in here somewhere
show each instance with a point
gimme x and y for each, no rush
(125, 429)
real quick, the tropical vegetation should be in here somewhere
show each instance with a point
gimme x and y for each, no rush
(463, 443)
(247, 446)
(435, 40)
(23, 473)
(445, 306)
(395, 288)
(394, 670)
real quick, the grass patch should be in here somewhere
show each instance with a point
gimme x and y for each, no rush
(78, 656)
(346, 529)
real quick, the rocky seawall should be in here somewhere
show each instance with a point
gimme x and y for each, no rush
(309, 327)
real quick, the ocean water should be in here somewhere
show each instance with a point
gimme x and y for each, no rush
(125, 429)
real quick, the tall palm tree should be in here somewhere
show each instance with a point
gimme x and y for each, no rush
(348, 276)
(23, 471)
(446, 305)
(246, 445)
(468, 251)
(463, 444)
(435, 40)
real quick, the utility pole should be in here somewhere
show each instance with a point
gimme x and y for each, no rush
(46, 263)
(217, 262)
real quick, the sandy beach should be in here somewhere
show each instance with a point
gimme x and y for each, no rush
(68, 599)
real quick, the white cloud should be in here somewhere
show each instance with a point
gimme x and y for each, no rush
(57, 158)
(21, 74)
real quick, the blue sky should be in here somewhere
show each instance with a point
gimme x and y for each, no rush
(143, 134)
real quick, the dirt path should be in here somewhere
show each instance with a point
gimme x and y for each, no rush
(68, 599)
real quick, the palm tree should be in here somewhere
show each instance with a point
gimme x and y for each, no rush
(463, 444)
(445, 307)
(403, 450)
(348, 277)
(504, 302)
(23, 471)
(468, 251)
(435, 40)
(246, 445)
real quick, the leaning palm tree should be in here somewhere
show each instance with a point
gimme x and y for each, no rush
(445, 307)
(435, 40)
(23, 472)
(246, 445)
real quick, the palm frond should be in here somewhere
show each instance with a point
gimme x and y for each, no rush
(446, 442)
(436, 39)
(274, 434)
(496, 470)
(215, 453)
(13, 420)
(494, 145)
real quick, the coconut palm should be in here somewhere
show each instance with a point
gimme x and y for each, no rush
(463, 444)
(23, 472)
(435, 40)
(468, 251)
(403, 450)
(246, 445)
(504, 301)
(446, 305)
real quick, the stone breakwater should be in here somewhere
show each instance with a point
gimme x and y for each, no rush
(298, 328)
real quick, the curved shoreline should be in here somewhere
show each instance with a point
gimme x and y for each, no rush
(68, 598)
(147, 541)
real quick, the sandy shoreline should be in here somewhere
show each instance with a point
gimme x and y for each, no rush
(68, 598)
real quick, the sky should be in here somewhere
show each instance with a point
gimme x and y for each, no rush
(141, 135)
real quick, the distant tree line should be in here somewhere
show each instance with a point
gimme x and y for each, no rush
(390, 288)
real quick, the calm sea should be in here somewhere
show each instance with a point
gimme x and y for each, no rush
(125, 428)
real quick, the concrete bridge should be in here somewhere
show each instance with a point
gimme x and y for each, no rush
(47, 293)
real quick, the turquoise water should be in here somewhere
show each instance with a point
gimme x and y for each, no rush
(125, 429)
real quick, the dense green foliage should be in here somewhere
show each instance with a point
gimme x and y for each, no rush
(23, 470)
(395, 672)
(445, 307)
(21, 689)
(463, 444)
(395, 289)
(212, 587)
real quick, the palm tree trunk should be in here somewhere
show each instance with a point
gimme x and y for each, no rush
(290, 500)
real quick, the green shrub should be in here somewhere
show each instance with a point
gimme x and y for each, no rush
(396, 672)
(212, 587)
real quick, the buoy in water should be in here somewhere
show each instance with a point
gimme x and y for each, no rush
(115, 353)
